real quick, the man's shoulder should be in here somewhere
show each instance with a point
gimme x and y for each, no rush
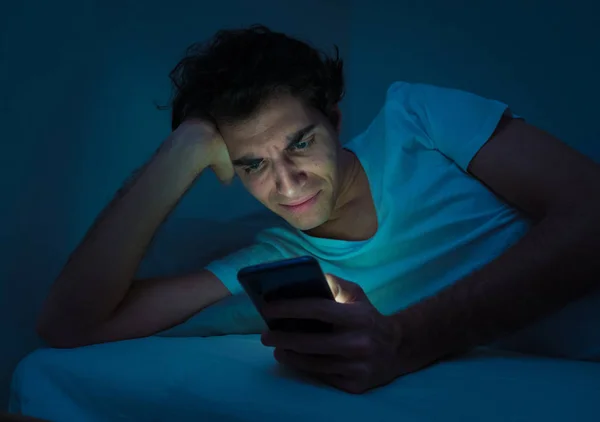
(397, 107)
(403, 91)
(398, 88)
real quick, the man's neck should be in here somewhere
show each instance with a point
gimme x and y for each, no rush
(354, 200)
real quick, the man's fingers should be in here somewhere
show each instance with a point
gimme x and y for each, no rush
(346, 344)
(349, 384)
(224, 170)
(345, 291)
(345, 315)
(333, 285)
(321, 365)
(221, 162)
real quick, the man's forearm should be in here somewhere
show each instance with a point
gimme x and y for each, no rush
(555, 263)
(99, 272)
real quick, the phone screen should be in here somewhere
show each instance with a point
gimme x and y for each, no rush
(287, 279)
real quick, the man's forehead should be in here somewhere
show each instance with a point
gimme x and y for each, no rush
(244, 152)
(277, 132)
(277, 120)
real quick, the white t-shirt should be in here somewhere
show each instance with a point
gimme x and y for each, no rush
(437, 223)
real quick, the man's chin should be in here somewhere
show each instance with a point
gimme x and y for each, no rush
(305, 224)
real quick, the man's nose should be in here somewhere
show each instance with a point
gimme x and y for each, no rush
(289, 179)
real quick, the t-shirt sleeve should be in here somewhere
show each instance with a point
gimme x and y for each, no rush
(226, 268)
(454, 122)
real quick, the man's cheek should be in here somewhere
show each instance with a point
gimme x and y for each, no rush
(323, 169)
(259, 191)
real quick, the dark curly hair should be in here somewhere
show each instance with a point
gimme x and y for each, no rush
(228, 78)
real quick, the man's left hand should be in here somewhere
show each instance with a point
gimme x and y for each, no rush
(360, 353)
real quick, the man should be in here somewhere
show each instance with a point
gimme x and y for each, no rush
(460, 221)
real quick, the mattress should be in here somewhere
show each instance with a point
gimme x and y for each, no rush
(235, 378)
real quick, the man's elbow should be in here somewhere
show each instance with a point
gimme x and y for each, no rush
(59, 336)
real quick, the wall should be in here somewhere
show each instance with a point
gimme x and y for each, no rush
(539, 57)
(78, 81)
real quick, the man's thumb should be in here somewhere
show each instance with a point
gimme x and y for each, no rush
(343, 290)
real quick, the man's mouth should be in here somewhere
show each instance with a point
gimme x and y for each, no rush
(302, 204)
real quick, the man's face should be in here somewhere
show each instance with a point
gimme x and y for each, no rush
(287, 157)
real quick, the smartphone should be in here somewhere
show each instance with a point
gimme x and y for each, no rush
(294, 278)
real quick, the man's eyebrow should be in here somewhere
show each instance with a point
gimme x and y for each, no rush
(246, 160)
(249, 159)
(299, 134)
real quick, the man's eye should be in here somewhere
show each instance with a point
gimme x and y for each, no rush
(298, 146)
(254, 167)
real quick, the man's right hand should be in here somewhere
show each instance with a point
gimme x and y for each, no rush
(95, 298)
(195, 130)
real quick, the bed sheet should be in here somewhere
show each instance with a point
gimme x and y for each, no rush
(234, 378)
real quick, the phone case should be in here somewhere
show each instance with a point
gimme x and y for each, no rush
(287, 280)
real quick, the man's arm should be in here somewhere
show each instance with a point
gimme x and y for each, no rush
(555, 263)
(94, 298)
